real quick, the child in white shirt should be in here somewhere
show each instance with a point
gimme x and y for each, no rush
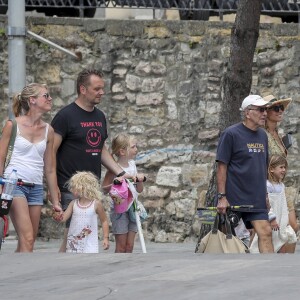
(282, 232)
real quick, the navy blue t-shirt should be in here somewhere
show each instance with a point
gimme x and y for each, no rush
(83, 136)
(245, 152)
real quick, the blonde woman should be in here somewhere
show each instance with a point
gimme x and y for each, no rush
(32, 154)
(84, 210)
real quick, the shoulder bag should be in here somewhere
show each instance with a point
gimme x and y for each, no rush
(287, 141)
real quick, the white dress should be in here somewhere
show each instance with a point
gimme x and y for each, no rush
(83, 231)
(285, 234)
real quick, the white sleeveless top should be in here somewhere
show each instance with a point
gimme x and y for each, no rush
(131, 169)
(28, 158)
(83, 231)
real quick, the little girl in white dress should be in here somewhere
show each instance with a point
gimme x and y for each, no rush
(83, 231)
(282, 232)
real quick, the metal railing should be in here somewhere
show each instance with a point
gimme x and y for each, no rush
(268, 6)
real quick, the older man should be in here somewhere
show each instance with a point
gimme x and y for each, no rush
(242, 158)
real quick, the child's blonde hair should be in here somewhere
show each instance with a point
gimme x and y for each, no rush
(121, 141)
(275, 161)
(85, 184)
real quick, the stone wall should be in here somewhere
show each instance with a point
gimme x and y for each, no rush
(163, 85)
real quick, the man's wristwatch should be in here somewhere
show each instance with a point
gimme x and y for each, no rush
(221, 195)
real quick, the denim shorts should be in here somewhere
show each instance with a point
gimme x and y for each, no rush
(34, 195)
(121, 223)
(66, 199)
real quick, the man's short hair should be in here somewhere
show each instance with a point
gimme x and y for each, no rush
(84, 76)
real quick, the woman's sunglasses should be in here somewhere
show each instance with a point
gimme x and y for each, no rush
(46, 95)
(277, 108)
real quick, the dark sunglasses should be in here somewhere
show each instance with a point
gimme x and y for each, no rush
(46, 95)
(260, 109)
(277, 108)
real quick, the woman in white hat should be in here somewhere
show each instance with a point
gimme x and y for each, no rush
(277, 147)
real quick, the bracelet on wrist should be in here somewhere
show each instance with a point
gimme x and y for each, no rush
(121, 174)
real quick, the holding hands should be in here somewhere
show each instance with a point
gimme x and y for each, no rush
(274, 225)
(58, 216)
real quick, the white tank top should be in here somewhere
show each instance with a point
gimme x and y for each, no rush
(131, 169)
(28, 158)
(83, 231)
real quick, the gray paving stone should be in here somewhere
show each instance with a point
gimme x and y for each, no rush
(166, 271)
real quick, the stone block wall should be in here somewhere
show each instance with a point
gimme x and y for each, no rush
(163, 83)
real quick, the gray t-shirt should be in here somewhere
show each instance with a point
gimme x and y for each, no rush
(245, 152)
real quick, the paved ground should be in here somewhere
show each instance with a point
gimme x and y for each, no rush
(53, 245)
(167, 271)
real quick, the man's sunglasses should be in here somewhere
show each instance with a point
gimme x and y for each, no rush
(260, 109)
(277, 108)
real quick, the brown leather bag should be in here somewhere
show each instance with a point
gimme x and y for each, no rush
(217, 241)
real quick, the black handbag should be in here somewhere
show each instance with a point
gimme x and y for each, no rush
(287, 141)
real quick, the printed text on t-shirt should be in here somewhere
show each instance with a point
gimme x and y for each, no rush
(256, 147)
(91, 124)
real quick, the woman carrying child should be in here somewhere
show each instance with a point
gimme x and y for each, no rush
(282, 232)
(124, 148)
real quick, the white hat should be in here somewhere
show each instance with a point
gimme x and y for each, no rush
(253, 100)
